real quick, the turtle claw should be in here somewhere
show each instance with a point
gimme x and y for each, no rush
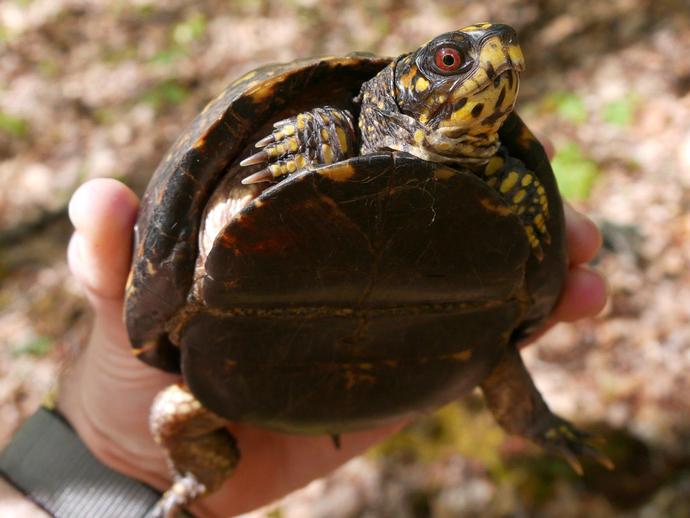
(264, 175)
(184, 490)
(256, 158)
(571, 444)
(266, 141)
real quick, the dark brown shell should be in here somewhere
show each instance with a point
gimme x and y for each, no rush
(341, 296)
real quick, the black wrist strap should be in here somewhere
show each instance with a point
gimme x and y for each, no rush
(47, 461)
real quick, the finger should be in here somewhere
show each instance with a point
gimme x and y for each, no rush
(103, 213)
(584, 237)
(584, 295)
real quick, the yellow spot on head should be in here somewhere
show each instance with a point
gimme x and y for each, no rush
(424, 118)
(419, 136)
(421, 84)
(509, 182)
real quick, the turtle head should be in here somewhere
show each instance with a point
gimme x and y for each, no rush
(454, 92)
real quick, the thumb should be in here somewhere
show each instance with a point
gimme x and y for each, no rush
(103, 212)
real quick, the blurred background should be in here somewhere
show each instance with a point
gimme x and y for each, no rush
(93, 88)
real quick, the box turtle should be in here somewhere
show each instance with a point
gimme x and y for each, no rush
(336, 243)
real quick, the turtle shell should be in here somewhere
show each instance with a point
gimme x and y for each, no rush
(341, 296)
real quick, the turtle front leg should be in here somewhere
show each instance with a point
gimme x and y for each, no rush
(318, 137)
(519, 408)
(524, 194)
(200, 450)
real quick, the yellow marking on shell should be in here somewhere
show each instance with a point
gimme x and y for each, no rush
(338, 173)
(444, 173)
(461, 356)
(245, 77)
(499, 208)
(353, 377)
(421, 84)
(509, 182)
(288, 130)
(263, 92)
(519, 196)
(525, 137)
(200, 142)
(419, 136)
(327, 153)
(494, 165)
(526, 180)
(424, 118)
(324, 118)
(324, 135)
(342, 139)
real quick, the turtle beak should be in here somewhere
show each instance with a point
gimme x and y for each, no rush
(515, 59)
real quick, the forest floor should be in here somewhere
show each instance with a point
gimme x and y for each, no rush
(89, 90)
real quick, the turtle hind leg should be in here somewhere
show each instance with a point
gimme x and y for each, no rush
(201, 452)
(519, 408)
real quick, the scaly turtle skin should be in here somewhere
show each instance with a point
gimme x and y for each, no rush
(340, 242)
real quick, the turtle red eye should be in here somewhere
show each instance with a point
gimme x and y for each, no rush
(448, 59)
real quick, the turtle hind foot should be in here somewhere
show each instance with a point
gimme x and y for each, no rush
(184, 490)
(559, 437)
(519, 408)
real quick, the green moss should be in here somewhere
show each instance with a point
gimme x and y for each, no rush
(568, 105)
(458, 428)
(38, 346)
(13, 126)
(575, 173)
(621, 112)
(169, 92)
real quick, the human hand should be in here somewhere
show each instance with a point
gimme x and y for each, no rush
(107, 393)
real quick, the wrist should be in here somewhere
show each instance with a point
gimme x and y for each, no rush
(112, 445)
